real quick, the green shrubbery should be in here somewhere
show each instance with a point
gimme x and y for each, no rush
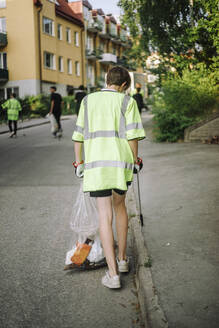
(184, 100)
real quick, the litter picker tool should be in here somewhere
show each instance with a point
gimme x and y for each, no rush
(139, 199)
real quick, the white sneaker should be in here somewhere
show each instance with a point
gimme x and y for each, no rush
(123, 265)
(111, 282)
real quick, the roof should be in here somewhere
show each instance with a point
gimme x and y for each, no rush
(100, 12)
(113, 20)
(87, 4)
(64, 10)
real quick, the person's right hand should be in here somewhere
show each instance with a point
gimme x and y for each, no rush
(79, 169)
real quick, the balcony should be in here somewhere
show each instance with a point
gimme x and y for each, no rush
(108, 58)
(94, 54)
(4, 76)
(3, 39)
(116, 39)
(95, 26)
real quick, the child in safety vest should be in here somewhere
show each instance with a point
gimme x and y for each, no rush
(13, 107)
(109, 127)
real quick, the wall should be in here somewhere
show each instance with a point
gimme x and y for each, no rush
(21, 48)
(61, 48)
(203, 130)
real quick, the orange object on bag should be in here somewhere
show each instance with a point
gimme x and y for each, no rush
(81, 254)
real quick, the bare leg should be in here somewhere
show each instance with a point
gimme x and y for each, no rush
(121, 223)
(104, 205)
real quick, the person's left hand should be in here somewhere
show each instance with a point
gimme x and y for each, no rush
(138, 165)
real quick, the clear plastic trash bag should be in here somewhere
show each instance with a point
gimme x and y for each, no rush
(54, 125)
(84, 224)
(84, 218)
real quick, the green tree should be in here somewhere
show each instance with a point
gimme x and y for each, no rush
(173, 28)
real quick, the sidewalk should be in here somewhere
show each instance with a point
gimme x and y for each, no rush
(179, 188)
(28, 123)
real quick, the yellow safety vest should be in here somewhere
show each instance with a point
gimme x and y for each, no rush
(106, 121)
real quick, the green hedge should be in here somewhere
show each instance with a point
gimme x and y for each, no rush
(184, 100)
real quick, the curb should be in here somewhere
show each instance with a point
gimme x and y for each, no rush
(152, 314)
(31, 125)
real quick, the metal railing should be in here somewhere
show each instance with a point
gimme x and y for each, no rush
(4, 76)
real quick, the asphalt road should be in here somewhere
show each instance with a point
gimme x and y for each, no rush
(37, 191)
(180, 201)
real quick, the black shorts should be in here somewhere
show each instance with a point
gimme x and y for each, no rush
(108, 192)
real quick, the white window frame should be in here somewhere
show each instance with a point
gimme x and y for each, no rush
(61, 64)
(76, 37)
(3, 28)
(2, 60)
(53, 60)
(59, 30)
(90, 43)
(2, 3)
(52, 31)
(77, 68)
(68, 34)
(69, 66)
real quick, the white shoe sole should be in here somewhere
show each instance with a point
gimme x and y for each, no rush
(110, 286)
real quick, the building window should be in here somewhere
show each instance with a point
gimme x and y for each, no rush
(3, 24)
(49, 60)
(9, 91)
(2, 94)
(2, 3)
(61, 66)
(90, 44)
(102, 46)
(76, 39)
(3, 60)
(59, 31)
(48, 26)
(114, 50)
(77, 68)
(69, 65)
(68, 35)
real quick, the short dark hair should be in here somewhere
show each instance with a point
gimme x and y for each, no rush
(53, 87)
(14, 95)
(81, 87)
(117, 76)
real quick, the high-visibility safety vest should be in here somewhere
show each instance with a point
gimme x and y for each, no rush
(13, 107)
(107, 120)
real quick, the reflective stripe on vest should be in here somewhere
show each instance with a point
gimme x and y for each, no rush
(122, 165)
(79, 129)
(133, 126)
(104, 133)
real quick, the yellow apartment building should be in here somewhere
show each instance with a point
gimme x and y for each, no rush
(41, 44)
(57, 42)
(105, 42)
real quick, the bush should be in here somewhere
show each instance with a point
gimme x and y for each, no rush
(69, 105)
(183, 101)
(39, 105)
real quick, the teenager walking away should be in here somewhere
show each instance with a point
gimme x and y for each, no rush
(139, 99)
(109, 127)
(56, 107)
(13, 107)
(79, 97)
